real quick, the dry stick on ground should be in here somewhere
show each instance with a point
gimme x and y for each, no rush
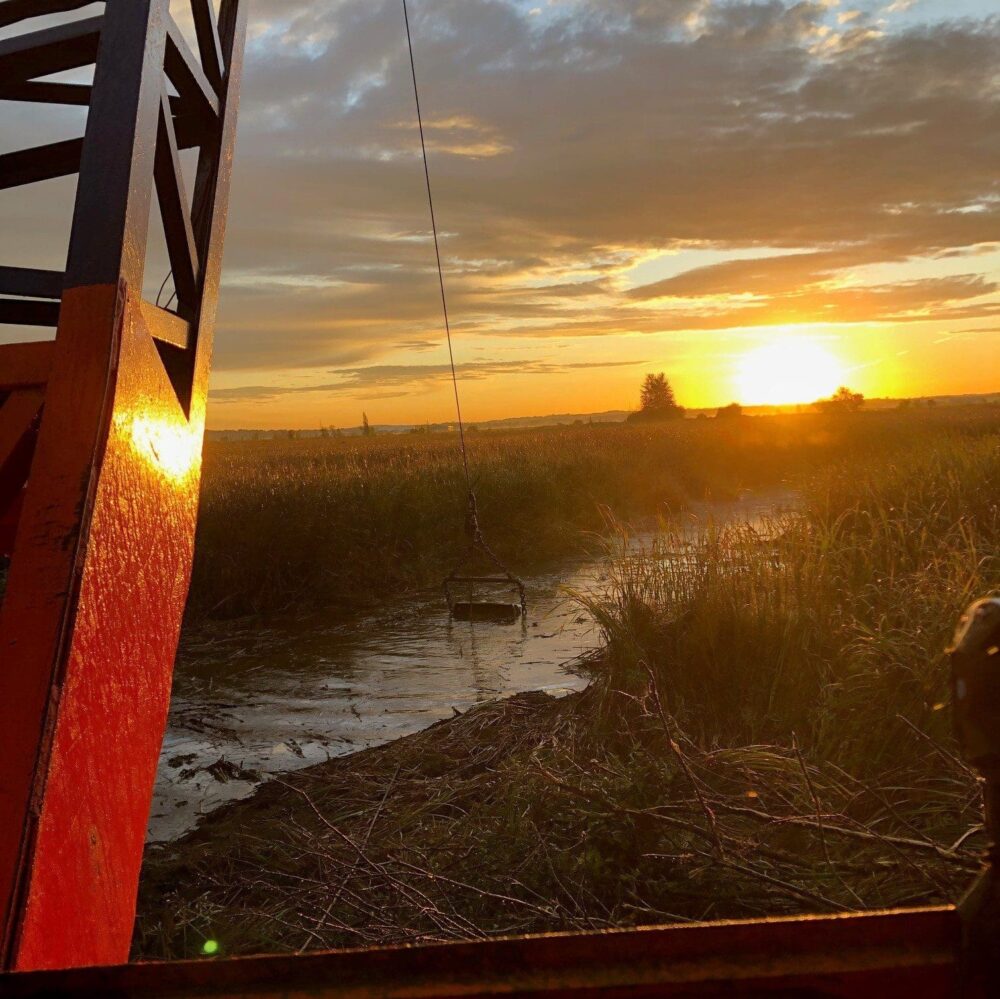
(714, 837)
(446, 926)
(581, 912)
(382, 897)
(810, 787)
(968, 834)
(538, 910)
(422, 872)
(895, 842)
(596, 798)
(866, 789)
(939, 749)
(675, 748)
(967, 862)
(444, 922)
(783, 886)
(815, 799)
(352, 899)
(657, 813)
(364, 845)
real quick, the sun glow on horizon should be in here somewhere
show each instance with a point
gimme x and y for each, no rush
(786, 371)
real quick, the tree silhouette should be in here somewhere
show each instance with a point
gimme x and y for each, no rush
(657, 400)
(842, 401)
(656, 393)
(730, 412)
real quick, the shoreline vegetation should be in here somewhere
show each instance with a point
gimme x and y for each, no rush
(339, 524)
(766, 730)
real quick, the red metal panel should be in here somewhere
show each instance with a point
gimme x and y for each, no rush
(36, 606)
(92, 614)
(9, 519)
(25, 363)
(18, 424)
(883, 955)
(103, 540)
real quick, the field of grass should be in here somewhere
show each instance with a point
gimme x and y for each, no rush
(340, 522)
(767, 731)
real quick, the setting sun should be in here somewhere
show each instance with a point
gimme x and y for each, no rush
(787, 371)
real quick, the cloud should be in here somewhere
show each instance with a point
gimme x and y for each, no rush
(398, 379)
(566, 147)
(810, 286)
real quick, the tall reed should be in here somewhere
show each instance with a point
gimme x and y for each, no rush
(829, 623)
(337, 522)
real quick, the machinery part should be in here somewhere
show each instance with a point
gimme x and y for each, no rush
(100, 457)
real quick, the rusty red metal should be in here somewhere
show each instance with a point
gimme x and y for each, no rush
(94, 612)
(24, 370)
(100, 454)
(884, 955)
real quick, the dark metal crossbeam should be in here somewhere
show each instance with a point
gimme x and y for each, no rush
(175, 211)
(79, 94)
(209, 45)
(185, 72)
(27, 312)
(61, 159)
(232, 27)
(28, 166)
(52, 50)
(75, 94)
(12, 11)
(27, 282)
(191, 129)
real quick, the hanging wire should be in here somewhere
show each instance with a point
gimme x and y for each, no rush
(472, 528)
(440, 269)
(163, 286)
(159, 294)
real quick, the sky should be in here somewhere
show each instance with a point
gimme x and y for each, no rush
(762, 199)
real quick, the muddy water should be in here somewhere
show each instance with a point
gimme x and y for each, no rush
(271, 701)
(261, 702)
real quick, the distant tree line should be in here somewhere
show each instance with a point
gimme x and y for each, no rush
(657, 402)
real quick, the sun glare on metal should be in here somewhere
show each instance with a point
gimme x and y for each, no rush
(167, 445)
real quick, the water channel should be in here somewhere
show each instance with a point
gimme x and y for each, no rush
(254, 702)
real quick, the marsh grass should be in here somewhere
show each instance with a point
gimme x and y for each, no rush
(340, 522)
(816, 622)
(766, 732)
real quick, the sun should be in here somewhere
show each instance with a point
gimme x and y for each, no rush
(786, 371)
